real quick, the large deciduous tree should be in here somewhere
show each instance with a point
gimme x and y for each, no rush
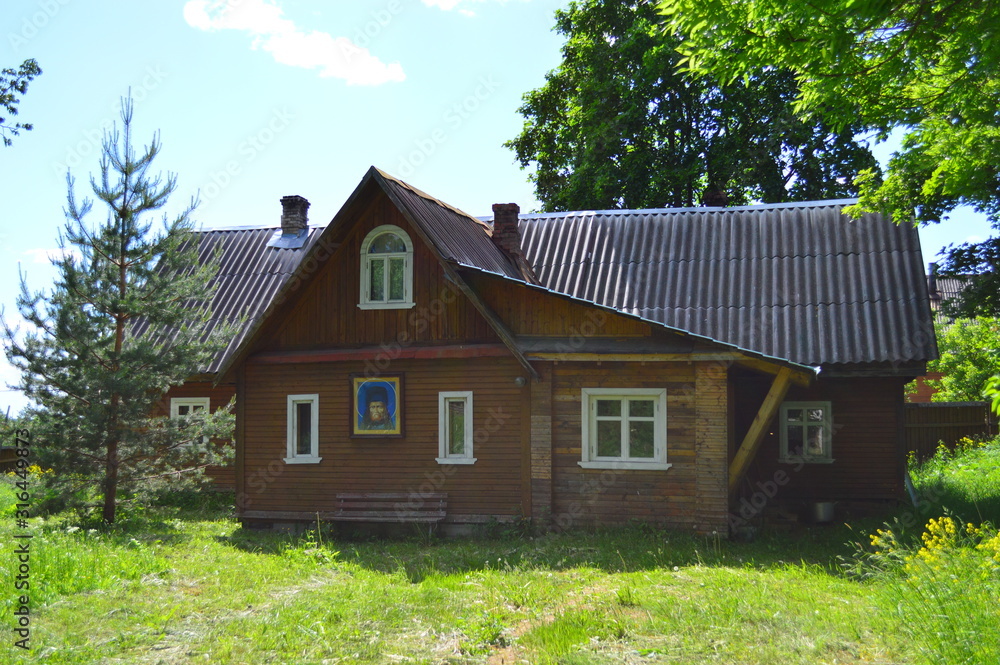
(970, 355)
(13, 85)
(127, 318)
(928, 67)
(617, 126)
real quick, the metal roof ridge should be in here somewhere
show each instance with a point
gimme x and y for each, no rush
(251, 227)
(427, 197)
(824, 203)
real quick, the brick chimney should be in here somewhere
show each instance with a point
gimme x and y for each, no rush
(294, 214)
(715, 198)
(507, 237)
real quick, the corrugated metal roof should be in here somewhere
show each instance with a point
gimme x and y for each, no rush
(457, 236)
(250, 274)
(800, 282)
(943, 289)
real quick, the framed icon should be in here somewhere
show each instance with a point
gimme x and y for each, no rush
(378, 406)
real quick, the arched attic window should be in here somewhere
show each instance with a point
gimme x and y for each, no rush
(386, 269)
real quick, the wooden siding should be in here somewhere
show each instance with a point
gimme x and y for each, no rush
(691, 494)
(866, 442)
(325, 314)
(490, 487)
(223, 477)
(929, 424)
(530, 311)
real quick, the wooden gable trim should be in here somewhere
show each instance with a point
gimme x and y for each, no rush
(329, 241)
(758, 428)
(502, 331)
(375, 352)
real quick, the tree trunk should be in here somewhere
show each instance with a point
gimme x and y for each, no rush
(111, 481)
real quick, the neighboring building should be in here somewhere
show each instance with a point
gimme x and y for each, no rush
(940, 290)
(672, 366)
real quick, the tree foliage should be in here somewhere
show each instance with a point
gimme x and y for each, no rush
(970, 356)
(929, 67)
(13, 85)
(126, 319)
(616, 125)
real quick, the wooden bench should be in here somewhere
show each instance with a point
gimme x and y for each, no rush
(428, 507)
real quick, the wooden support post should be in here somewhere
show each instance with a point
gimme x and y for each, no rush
(748, 449)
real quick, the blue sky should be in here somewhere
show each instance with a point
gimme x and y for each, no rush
(258, 99)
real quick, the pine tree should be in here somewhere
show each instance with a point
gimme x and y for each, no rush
(127, 318)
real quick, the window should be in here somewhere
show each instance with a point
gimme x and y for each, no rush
(805, 432)
(624, 429)
(303, 429)
(386, 269)
(455, 428)
(182, 407)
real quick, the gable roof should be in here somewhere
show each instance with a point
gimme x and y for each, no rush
(800, 282)
(250, 275)
(454, 237)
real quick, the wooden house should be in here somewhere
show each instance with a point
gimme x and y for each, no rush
(255, 262)
(681, 367)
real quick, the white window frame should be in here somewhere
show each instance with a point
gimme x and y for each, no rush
(588, 420)
(294, 457)
(365, 301)
(445, 456)
(175, 407)
(826, 423)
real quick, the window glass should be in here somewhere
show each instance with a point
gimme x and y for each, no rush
(608, 407)
(387, 243)
(456, 426)
(377, 280)
(303, 414)
(609, 438)
(806, 432)
(397, 276)
(641, 438)
(640, 408)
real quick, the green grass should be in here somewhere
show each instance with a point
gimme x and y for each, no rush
(183, 582)
(965, 482)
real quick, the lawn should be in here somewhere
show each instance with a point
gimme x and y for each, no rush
(175, 585)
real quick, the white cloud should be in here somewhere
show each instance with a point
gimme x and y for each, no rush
(335, 57)
(47, 255)
(448, 5)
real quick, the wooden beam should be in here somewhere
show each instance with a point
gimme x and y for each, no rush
(800, 378)
(376, 352)
(499, 327)
(766, 413)
(631, 357)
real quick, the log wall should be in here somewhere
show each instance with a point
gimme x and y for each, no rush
(691, 494)
(867, 440)
(489, 488)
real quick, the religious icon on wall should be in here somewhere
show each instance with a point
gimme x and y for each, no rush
(378, 405)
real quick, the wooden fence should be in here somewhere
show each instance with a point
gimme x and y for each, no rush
(929, 423)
